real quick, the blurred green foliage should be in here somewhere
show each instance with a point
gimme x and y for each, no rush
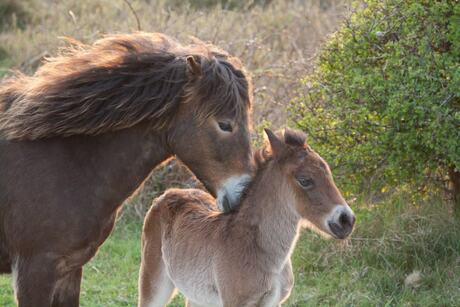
(5, 62)
(383, 105)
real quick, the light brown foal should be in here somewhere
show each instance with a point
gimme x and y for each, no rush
(241, 258)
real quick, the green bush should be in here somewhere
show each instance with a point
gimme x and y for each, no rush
(383, 104)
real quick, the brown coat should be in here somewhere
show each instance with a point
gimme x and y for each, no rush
(81, 135)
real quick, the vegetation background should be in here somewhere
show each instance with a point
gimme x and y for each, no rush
(406, 247)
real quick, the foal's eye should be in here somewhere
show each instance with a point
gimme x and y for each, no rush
(306, 183)
(225, 126)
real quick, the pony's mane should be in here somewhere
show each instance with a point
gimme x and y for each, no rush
(118, 82)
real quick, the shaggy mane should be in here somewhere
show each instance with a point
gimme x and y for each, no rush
(118, 82)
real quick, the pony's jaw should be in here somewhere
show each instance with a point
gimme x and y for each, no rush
(229, 194)
(340, 221)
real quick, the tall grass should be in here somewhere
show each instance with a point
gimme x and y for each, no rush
(275, 42)
(399, 255)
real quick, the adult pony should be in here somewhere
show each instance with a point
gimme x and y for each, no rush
(80, 136)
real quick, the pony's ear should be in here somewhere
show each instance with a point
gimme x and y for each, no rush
(194, 65)
(277, 145)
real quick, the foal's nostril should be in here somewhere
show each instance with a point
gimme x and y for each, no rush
(344, 220)
(347, 221)
(353, 220)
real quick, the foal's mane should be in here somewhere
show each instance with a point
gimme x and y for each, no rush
(118, 82)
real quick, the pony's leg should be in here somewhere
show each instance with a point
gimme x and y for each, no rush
(67, 292)
(35, 281)
(155, 287)
(5, 262)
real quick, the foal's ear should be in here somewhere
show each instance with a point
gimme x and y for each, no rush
(276, 144)
(194, 65)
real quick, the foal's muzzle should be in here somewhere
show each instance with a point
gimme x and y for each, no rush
(341, 222)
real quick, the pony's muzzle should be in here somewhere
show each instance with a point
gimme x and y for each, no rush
(341, 222)
(228, 196)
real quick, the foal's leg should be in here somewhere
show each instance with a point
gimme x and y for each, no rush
(67, 292)
(188, 303)
(35, 281)
(155, 287)
(259, 297)
(287, 281)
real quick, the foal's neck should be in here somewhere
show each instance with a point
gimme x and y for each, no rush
(269, 212)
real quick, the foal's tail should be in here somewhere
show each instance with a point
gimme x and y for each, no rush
(155, 287)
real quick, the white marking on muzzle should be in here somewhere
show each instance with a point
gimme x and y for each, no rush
(335, 214)
(231, 190)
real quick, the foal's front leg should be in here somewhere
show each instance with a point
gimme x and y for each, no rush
(259, 301)
(287, 281)
(35, 280)
(270, 298)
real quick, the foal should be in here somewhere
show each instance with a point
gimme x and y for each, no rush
(241, 258)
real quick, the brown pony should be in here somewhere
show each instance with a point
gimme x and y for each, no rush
(241, 258)
(81, 135)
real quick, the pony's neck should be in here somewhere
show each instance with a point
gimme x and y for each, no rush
(122, 160)
(268, 211)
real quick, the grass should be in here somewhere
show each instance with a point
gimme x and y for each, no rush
(392, 240)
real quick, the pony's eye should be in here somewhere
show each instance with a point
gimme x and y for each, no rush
(306, 183)
(225, 126)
